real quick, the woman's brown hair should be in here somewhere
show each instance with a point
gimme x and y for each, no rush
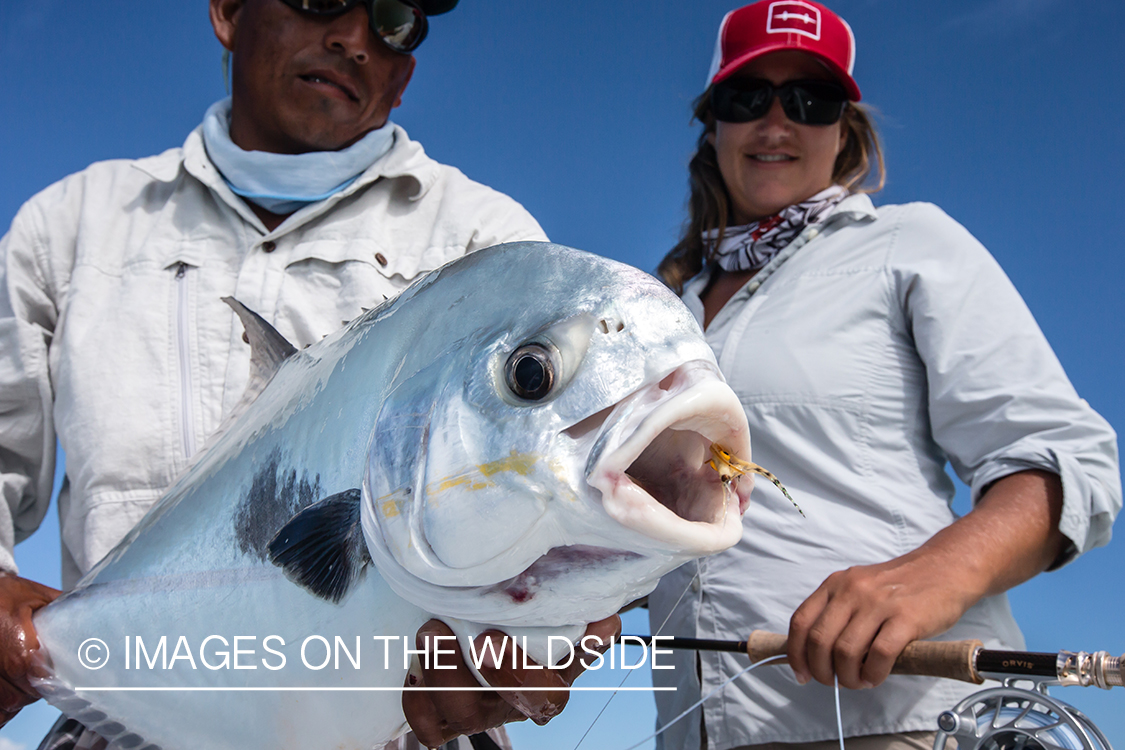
(859, 168)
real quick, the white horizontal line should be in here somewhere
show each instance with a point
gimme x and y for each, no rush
(357, 689)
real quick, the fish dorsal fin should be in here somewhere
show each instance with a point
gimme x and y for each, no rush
(268, 348)
(322, 548)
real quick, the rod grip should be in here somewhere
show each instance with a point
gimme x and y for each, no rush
(763, 644)
(954, 660)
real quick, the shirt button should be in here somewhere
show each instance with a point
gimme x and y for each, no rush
(269, 246)
(381, 259)
(696, 585)
(813, 233)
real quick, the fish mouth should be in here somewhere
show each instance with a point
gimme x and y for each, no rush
(652, 460)
(674, 470)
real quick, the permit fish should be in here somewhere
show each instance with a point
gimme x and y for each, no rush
(521, 440)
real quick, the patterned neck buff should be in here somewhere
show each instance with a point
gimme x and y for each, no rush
(751, 246)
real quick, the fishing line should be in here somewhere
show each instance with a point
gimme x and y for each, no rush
(700, 702)
(629, 672)
(607, 702)
(732, 678)
(839, 716)
(678, 600)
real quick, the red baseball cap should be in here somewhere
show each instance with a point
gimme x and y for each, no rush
(772, 25)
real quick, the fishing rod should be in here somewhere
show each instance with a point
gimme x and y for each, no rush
(995, 718)
(967, 661)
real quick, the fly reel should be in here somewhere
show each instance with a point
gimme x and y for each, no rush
(1011, 718)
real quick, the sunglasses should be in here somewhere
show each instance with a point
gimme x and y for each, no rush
(804, 102)
(401, 24)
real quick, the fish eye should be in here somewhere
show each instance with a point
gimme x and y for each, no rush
(530, 372)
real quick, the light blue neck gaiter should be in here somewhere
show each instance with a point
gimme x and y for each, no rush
(283, 183)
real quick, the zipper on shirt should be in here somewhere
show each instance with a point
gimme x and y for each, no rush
(183, 348)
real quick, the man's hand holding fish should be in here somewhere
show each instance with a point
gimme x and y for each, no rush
(437, 717)
(19, 599)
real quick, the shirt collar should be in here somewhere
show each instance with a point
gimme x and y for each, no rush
(406, 159)
(854, 208)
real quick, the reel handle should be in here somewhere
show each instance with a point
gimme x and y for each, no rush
(954, 660)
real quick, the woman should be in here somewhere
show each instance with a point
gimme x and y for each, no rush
(869, 347)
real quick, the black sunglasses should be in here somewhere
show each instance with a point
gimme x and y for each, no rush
(401, 24)
(804, 102)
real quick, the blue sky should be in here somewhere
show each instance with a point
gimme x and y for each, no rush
(1006, 113)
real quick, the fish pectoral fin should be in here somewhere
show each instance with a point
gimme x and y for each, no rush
(322, 548)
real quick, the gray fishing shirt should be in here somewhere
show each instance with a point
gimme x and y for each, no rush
(877, 348)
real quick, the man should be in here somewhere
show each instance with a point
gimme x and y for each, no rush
(298, 197)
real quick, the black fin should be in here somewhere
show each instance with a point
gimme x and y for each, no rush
(322, 548)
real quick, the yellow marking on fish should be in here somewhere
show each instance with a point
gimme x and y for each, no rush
(466, 481)
(520, 463)
(391, 504)
(448, 484)
(729, 466)
(478, 477)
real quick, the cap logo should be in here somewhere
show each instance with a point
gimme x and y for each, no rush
(794, 17)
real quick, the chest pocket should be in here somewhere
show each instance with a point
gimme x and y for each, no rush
(817, 340)
(328, 283)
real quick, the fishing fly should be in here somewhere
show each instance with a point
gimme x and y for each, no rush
(730, 467)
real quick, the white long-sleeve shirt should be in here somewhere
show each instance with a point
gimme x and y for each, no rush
(875, 349)
(113, 334)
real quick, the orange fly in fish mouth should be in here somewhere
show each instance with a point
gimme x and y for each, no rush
(730, 468)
